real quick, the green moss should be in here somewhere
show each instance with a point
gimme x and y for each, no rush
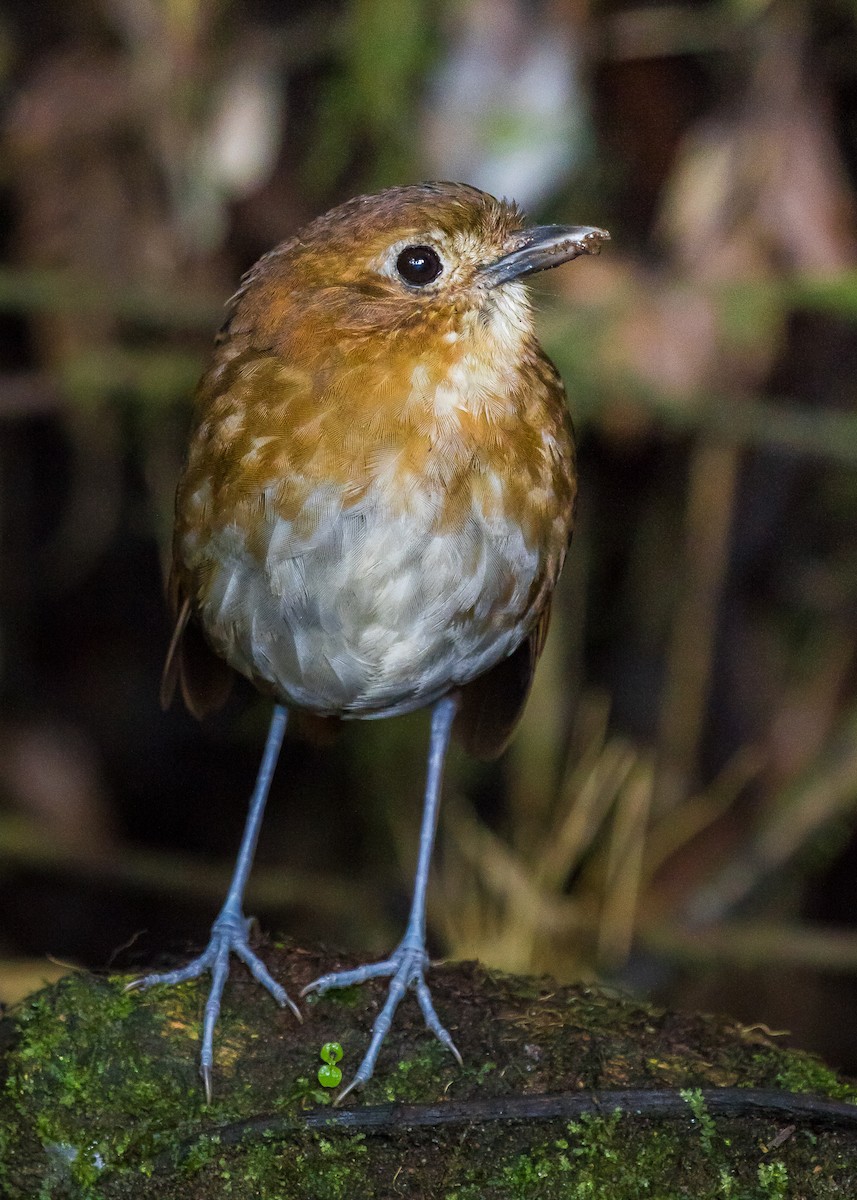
(347, 997)
(301, 1094)
(703, 1118)
(413, 1078)
(798, 1071)
(612, 1156)
(477, 1075)
(101, 1099)
(334, 1171)
(66, 1068)
(204, 1150)
(311, 1165)
(773, 1180)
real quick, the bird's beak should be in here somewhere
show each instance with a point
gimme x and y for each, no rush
(543, 247)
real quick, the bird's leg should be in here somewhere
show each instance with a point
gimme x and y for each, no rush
(408, 963)
(230, 931)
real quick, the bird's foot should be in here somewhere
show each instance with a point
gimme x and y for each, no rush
(230, 934)
(406, 967)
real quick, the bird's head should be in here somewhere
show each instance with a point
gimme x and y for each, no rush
(418, 263)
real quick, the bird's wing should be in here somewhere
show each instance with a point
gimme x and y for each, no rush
(491, 705)
(205, 679)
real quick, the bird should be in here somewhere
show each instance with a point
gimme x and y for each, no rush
(376, 503)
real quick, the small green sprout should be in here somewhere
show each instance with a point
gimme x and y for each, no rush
(329, 1075)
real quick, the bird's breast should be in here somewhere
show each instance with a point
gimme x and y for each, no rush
(370, 566)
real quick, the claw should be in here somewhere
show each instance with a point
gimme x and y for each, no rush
(229, 935)
(406, 966)
(408, 963)
(340, 1096)
(296, 1011)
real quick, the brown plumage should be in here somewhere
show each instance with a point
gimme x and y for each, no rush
(380, 483)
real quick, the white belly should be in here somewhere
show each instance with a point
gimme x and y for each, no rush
(372, 613)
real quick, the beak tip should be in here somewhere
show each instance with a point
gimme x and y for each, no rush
(592, 239)
(546, 246)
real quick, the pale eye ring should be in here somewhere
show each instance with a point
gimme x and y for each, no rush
(419, 265)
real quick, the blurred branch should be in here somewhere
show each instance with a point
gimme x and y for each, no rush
(736, 420)
(66, 292)
(149, 375)
(587, 795)
(754, 944)
(680, 827)
(24, 844)
(747, 422)
(508, 879)
(826, 792)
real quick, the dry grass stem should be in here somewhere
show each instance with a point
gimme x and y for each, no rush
(625, 864)
(710, 504)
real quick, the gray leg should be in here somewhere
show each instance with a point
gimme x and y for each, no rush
(230, 931)
(409, 961)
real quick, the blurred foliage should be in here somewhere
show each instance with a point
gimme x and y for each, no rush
(384, 49)
(681, 793)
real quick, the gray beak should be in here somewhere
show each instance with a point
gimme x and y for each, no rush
(543, 247)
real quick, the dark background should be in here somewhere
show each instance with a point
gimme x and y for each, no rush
(676, 814)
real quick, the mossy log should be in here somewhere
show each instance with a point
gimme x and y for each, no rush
(571, 1092)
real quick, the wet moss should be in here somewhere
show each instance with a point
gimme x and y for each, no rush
(607, 1156)
(100, 1097)
(66, 1064)
(801, 1072)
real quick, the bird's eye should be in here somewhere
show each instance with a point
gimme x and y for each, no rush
(419, 265)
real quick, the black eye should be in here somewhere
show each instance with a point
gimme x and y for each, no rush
(419, 265)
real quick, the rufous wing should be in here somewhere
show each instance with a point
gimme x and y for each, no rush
(491, 705)
(204, 679)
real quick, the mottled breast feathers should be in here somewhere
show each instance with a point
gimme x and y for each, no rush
(372, 517)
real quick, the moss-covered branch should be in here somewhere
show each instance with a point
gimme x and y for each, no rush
(566, 1092)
